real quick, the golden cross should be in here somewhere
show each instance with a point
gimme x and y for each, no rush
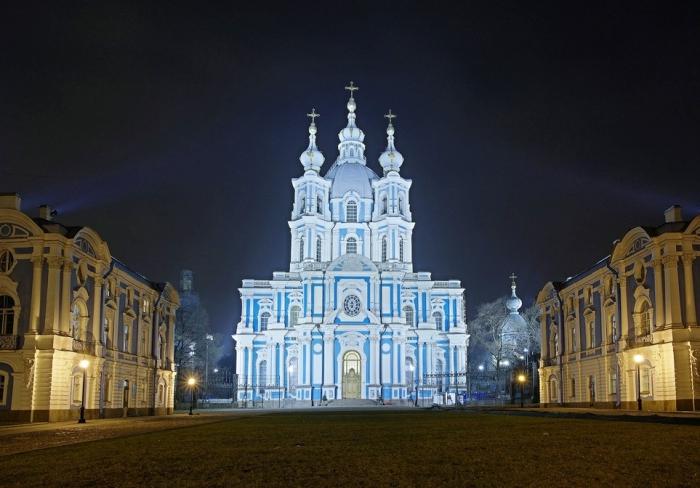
(352, 88)
(313, 115)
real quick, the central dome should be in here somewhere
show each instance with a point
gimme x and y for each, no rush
(351, 177)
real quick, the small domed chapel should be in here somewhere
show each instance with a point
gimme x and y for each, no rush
(350, 319)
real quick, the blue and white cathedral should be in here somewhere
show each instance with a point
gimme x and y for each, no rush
(351, 319)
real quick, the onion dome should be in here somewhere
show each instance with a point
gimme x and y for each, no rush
(513, 303)
(390, 159)
(351, 148)
(312, 158)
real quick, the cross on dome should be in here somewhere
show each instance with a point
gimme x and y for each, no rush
(391, 159)
(313, 115)
(390, 116)
(351, 88)
(513, 278)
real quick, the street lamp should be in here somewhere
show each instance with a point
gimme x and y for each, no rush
(481, 367)
(639, 359)
(521, 380)
(191, 382)
(84, 366)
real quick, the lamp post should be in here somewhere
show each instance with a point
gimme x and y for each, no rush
(191, 382)
(209, 337)
(639, 359)
(521, 380)
(84, 366)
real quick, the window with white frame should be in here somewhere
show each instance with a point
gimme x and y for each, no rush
(385, 205)
(645, 380)
(301, 249)
(302, 205)
(408, 314)
(437, 318)
(262, 375)
(573, 387)
(553, 394)
(401, 205)
(294, 315)
(319, 204)
(384, 249)
(351, 211)
(264, 320)
(401, 249)
(351, 246)
(591, 333)
(126, 345)
(77, 387)
(7, 315)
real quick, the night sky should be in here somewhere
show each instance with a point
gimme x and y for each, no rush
(534, 136)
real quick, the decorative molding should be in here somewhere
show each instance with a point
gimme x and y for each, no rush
(13, 231)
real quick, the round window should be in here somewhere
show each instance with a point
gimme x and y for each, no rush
(351, 305)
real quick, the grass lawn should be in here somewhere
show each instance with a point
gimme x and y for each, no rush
(397, 448)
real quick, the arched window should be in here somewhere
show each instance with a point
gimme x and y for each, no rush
(408, 313)
(7, 315)
(437, 318)
(351, 212)
(294, 315)
(384, 249)
(351, 246)
(385, 204)
(264, 319)
(301, 249)
(401, 249)
(319, 248)
(644, 319)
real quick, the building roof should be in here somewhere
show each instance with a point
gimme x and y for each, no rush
(347, 177)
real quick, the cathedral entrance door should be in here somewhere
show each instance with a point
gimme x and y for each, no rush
(352, 370)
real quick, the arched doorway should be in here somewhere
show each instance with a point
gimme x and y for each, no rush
(352, 371)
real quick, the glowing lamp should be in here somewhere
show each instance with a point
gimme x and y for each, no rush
(638, 358)
(191, 381)
(84, 363)
(521, 378)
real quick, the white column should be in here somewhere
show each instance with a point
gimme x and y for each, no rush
(249, 377)
(328, 359)
(671, 291)
(37, 262)
(690, 312)
(64, 325)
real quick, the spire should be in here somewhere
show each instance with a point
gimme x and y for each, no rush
(390, 159)
(351, 148)
(312, 158)
(513, 303)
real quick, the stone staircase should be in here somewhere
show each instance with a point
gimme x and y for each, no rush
(352, 403)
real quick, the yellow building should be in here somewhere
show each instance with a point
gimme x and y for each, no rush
(65, 299)
(624, 334)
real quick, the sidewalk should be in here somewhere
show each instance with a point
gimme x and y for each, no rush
(19, 438)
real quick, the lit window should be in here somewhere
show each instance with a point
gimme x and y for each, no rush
(7, 260)
(408, 313)
(7, 315)
(384, 249)
(264, 319)
(351, 212)
(351, 246)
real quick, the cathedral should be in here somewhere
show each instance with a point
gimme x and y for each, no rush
(351, 319)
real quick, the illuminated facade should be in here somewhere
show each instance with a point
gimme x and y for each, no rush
(350, 320)
(626, 330)
(65, 299)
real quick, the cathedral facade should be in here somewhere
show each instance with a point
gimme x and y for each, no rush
(78, 328)
(624, 334)
(350, 319)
